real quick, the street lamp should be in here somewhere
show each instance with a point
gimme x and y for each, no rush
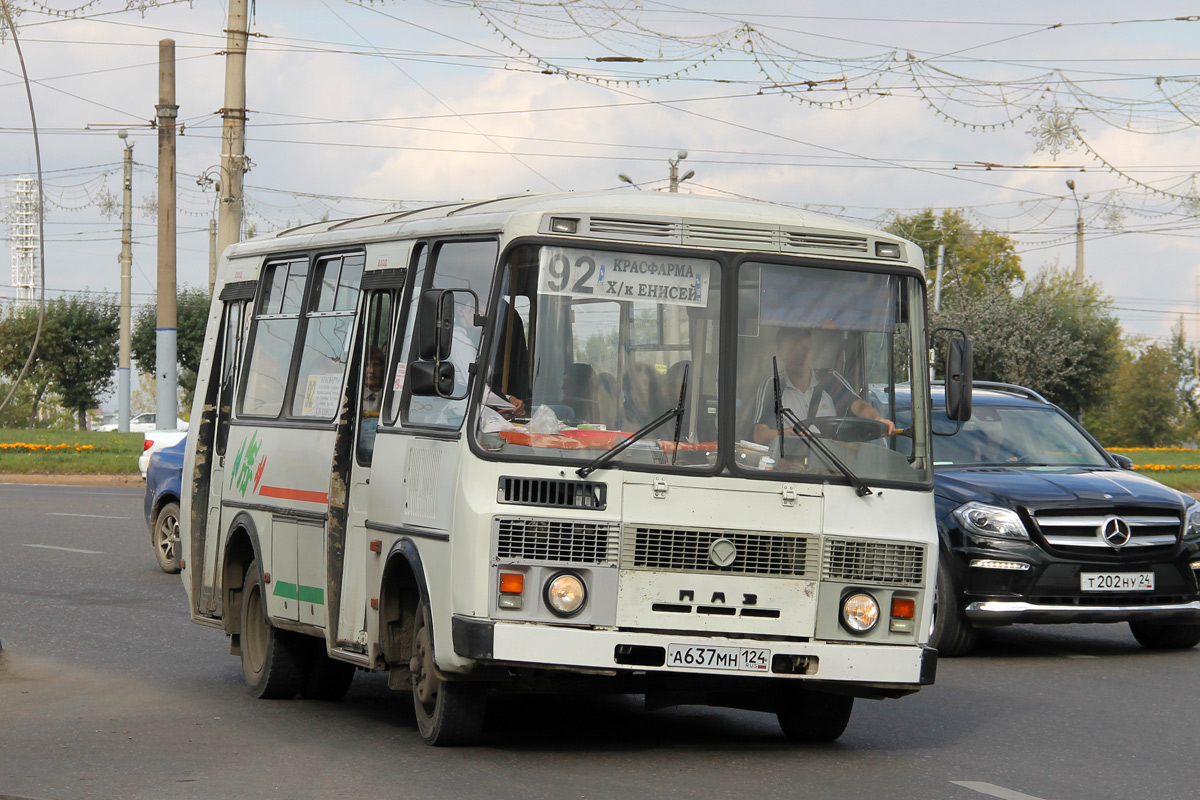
(675, 179)
(623, 178)
(1078, 241)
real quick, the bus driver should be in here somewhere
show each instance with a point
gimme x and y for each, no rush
(799, 382)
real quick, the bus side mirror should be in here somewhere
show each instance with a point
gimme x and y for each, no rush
(431, 378)
(435, 325)
(959, 357)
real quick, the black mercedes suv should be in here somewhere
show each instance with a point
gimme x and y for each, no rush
(1040, 524)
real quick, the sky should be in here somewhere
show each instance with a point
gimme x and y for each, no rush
(867, 110)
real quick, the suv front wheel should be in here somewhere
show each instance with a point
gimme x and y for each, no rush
(1163, 636)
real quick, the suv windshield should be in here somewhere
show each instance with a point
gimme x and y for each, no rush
(1012, 435)
(591, 345)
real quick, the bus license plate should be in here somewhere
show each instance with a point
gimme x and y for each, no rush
(745, 659)
(1116, 581)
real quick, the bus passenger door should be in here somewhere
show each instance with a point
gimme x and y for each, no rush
(372, 354)
(225, 369)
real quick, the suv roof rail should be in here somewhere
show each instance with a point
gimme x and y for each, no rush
(1012, 388)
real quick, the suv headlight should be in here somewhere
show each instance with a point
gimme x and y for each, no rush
(1191, 523)
(985, 520)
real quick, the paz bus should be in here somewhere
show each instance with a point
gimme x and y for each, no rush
(517, 445)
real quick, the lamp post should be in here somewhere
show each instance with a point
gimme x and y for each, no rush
(1078, 242)
(674, 178)
(123, 373)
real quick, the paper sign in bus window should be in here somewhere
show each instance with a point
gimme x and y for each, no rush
(321, 394)
(607, 275)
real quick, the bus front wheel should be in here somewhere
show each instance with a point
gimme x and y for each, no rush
(271, 658)
(448, 712)
(808, 716)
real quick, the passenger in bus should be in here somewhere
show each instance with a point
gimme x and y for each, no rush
(510, 375)
(644, 395)
(579, 392)
(372, 396)
(808, 392)
(608, 398)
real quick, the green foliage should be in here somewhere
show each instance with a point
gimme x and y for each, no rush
(977, 261)
(191, 321)
(1144, 405)
(76, 353)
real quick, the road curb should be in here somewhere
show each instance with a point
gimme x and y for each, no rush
(72, 480)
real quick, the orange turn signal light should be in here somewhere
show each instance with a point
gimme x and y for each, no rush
(903, 608)
(512, 583)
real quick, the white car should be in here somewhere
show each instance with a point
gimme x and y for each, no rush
(156, 440)
(144, 423)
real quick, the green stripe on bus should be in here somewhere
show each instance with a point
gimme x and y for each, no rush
(311, 594)
(302, 593)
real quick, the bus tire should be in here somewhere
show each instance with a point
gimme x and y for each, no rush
(808, 716)
(271, 658)
(325, 678)
(448, 712)
(165, 538)
(1162, 636)
(951, 634)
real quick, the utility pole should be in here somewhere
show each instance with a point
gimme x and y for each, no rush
(233, 129)
(167, 406)
(1078, 242)
(212, 254)
(937, 283)
(123, 374)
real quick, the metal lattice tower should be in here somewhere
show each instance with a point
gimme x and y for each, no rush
(23, 234)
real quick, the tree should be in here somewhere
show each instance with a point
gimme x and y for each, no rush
(1145, 405)
(191, 322)
(80, 350)
(976, 260)
(17, 329)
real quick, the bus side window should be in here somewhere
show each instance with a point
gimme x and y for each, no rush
(399, 354)
(456, 265)
(236, 325)
(272, 338)
(327, 327)
(376, 336)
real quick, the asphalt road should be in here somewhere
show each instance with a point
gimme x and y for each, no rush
(107, 690)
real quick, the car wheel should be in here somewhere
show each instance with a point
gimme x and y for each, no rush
(325, 678)
(808, 716)
(1163, 636)
(951, 632)
(448, 712)
(165, 538)
(272, 662)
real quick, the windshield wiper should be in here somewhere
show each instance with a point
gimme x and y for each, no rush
(802, 430)
(614, 451)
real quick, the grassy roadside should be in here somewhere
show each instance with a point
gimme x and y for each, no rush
(59, 452)
(1177, 467)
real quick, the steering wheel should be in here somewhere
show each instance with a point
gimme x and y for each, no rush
(848, 429)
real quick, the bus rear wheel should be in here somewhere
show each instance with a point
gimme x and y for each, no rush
(271, 659)
(448, 712)
(808, 716)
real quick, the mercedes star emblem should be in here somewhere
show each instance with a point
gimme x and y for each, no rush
(1116, 532)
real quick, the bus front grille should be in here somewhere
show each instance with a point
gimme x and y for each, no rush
(779, 555)
(552, 492)
(887, 563)
(556, 540)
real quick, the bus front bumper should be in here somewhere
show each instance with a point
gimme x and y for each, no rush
(590, 650)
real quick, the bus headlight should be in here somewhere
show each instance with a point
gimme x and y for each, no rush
(860, 612)
(565, 594)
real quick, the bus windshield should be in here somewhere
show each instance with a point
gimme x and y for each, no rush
(590, 346)
(820, 354)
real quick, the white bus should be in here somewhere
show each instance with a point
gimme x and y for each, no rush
(563, 443)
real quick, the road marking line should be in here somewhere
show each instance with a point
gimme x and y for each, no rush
(994, 790)
(68, 549)
(89, 516)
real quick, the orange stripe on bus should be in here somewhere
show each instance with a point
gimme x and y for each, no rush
(293, 494)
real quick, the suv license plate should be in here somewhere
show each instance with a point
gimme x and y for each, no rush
(744, 659)
(1116, 581)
